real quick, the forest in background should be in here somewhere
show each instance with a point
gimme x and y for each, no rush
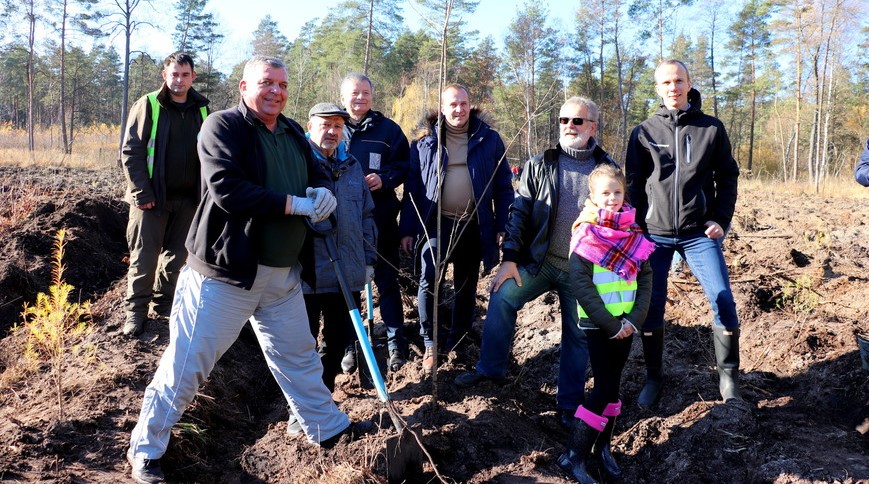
(789, 78)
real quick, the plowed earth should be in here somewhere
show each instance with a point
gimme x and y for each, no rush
(799, 265)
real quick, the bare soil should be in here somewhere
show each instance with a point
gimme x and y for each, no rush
(799, 266)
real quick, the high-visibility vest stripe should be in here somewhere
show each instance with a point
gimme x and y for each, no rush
(618, 295)
(155, 118)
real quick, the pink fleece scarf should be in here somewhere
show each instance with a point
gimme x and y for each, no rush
(611, 239)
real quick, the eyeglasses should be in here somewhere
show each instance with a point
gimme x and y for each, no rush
(573, 121)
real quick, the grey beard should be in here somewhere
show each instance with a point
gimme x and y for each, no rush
(574, 143)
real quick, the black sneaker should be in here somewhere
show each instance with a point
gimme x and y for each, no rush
(396, 359)
(473, 378)
(348, 363)
(145, 471)
(352, 431)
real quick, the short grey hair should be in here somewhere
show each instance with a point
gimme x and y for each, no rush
(261, 60)
(357, 77)
(591, 109)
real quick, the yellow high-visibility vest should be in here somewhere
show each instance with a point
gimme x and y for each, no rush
(155, 117)
(618, 294)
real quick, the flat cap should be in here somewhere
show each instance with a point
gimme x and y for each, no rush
(324, 110)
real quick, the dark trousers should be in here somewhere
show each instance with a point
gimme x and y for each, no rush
(156, 242)
(465, 254)
(386, 279)
(608, 358)
(338, 332)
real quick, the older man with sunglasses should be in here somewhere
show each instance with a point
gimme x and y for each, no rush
(552, 190)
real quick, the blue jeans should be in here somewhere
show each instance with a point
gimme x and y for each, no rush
(706, 260)
(500, 327)
(466, 257)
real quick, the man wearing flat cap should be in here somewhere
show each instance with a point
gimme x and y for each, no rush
(356, 240)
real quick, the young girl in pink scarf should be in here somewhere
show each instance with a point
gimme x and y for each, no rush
(612, 283)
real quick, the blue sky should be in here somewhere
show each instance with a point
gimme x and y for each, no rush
(240, 17)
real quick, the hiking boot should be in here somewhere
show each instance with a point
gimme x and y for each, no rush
(348, 363)
(428, 360)
(726, 343)
(145, 471)
(396, 359)
(133, 326)
(653, 354)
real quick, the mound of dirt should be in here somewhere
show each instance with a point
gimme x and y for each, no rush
(799, 272)
(86, 204)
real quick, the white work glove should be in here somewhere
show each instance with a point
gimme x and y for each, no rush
(303, 206)
(369, 274)
(324, 202)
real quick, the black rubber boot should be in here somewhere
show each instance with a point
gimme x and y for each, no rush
(727, 358)
(574, 461)
(653, 353)
(602, 450)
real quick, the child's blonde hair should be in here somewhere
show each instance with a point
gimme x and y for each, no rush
(608, 170)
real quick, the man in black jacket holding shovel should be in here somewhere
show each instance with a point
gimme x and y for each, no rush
(244, 248)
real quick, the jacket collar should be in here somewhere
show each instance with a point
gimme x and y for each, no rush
(551, 155)
(695, 107)
(477, 122)
(194, 99)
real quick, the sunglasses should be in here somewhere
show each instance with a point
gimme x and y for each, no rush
(573, 121)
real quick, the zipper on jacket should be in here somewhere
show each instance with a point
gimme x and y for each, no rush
(687, 149)
(676, 181)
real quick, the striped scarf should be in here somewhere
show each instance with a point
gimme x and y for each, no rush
(612, 240)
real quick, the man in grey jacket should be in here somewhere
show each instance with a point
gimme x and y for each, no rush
(356, 240)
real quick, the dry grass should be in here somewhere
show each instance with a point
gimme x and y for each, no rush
(93, 147)
(840, 187)
(97, 147)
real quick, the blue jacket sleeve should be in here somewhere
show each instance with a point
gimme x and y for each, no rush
(502, 190)
(861, 172)
(369, 227)
(409, 223)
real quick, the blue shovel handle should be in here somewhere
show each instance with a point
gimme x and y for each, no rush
(327, 233)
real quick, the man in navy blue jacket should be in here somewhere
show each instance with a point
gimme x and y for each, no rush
(861, 171)
(381, 147)
(472, 190)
